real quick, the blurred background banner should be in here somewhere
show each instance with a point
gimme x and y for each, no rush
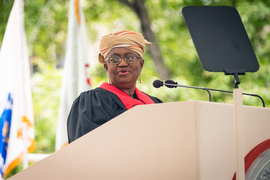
(16, 109)
(76, 78)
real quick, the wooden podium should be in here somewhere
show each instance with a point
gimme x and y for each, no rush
(183, 140)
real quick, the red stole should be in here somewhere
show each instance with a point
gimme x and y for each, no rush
(128, 101)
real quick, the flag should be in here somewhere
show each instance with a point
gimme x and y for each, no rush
(15, 93)
(76, 76)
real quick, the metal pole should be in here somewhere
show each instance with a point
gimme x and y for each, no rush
(238, 115)
(25, 148)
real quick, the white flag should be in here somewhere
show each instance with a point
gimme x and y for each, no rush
(15, 92)
(76, 77)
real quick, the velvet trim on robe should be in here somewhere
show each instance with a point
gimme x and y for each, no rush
(128, 101)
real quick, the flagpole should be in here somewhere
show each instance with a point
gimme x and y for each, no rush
(39, 23)
(25, 148)
(23, 90)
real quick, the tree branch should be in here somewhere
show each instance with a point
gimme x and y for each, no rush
(139, 8)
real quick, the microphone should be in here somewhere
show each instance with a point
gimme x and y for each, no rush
(157, 83)
(173, 84)
(168, 83)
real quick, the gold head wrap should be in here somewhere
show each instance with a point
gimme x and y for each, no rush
(128, 39)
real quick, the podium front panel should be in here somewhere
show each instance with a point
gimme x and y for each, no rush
(182, 140)
(147, 142)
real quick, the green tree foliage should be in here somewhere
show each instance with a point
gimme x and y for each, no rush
(5, 7)
(48, 50)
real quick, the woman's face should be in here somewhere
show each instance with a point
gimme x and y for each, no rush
(123, 75)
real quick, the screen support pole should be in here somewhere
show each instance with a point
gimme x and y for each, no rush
(238, 117)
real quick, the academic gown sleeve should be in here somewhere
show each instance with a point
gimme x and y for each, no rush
(90, 110)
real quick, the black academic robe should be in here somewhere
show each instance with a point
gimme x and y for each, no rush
(92, 109)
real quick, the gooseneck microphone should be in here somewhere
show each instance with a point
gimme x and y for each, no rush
(173, 84)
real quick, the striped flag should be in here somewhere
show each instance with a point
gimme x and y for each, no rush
(16, 107)
(76, 69)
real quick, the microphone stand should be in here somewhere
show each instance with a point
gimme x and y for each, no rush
(177, 85)
(209, 89)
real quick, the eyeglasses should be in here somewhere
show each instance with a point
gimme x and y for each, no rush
(129, 59)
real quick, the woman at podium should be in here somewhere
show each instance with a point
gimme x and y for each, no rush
(121, 54)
